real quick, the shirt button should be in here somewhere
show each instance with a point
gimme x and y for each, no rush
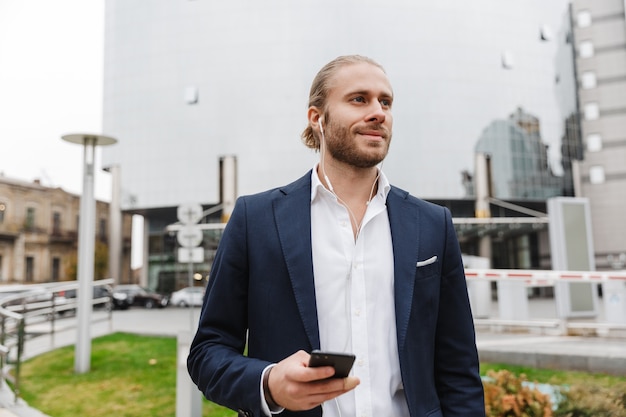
(361, 362)
(357, 312)
(343, 224)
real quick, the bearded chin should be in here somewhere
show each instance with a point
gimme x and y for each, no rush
(341, 148)
(358, 159)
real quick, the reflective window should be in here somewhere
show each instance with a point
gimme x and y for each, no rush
(56, 223)
(592, 111)
(519, 159)
(102, 229)
(3, 209)
(596, 175)
(588, 79)
(30, 269)
(29, 223)
(585, 49)
(56, 269)
(583, 18)
(594, 142)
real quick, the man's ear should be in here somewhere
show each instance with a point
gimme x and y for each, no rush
(314, 115)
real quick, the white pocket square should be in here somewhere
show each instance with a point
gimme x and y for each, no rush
(427, 261)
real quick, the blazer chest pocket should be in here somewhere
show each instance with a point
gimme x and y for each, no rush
(427, 268)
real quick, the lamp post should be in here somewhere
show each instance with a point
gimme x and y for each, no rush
(86, 246)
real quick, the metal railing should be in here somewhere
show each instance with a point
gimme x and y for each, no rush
(32, 305)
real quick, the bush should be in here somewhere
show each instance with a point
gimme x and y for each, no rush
(507, 396)
(592, 400)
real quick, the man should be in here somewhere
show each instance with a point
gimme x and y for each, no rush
(340, 261)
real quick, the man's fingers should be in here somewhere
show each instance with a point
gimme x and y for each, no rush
(350, 383)
(334, 386)
(296, 386)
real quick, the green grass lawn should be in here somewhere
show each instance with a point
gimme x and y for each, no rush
(130, 376)
(135, 375)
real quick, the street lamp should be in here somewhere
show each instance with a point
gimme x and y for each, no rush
(86, 246)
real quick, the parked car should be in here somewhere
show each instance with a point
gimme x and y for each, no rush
(188, 296)
(139, 296)
(119, 300)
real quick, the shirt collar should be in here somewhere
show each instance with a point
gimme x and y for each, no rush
(317, 186)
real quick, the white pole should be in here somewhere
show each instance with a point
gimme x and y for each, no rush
(116, 254)
(229, 186)
(86, 248)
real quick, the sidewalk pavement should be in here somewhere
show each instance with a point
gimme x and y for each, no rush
(581, 353)
(9, 407)
(605, 354)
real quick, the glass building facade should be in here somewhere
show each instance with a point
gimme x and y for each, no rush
(520, 167)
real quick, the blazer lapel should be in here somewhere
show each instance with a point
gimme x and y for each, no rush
(404, 220)
(292, 211)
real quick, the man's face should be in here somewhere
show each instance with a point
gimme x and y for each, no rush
(358, 120)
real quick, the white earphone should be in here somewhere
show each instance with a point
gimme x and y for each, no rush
(323, 151)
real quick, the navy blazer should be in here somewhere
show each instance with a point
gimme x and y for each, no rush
(261, 295)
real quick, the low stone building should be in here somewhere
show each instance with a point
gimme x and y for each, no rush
(39, 234)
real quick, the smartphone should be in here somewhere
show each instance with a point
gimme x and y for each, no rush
(342, 362)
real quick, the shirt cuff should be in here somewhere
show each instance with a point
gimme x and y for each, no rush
(264, 405)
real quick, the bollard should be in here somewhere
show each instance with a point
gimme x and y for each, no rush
(188, 397)
(614, 293)
(512, 300)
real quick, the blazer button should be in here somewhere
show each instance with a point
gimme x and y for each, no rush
(244, 413)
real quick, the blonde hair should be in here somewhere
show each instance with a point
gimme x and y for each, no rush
(321, 87)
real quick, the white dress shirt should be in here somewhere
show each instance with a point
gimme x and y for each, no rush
(354, 290)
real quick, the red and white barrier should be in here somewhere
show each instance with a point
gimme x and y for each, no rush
(512, 295)
(544, 277)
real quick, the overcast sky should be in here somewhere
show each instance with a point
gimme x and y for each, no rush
(51, 76)
(51, 66)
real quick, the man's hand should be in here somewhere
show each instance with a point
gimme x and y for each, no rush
(295, 386)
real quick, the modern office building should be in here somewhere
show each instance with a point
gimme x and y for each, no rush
(519, 159)
(599, 35)
(189, 83)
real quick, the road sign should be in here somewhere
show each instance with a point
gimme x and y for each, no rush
(189, 213)
(194, 255)
(189, 236)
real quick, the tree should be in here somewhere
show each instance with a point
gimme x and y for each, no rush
(101, 263)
